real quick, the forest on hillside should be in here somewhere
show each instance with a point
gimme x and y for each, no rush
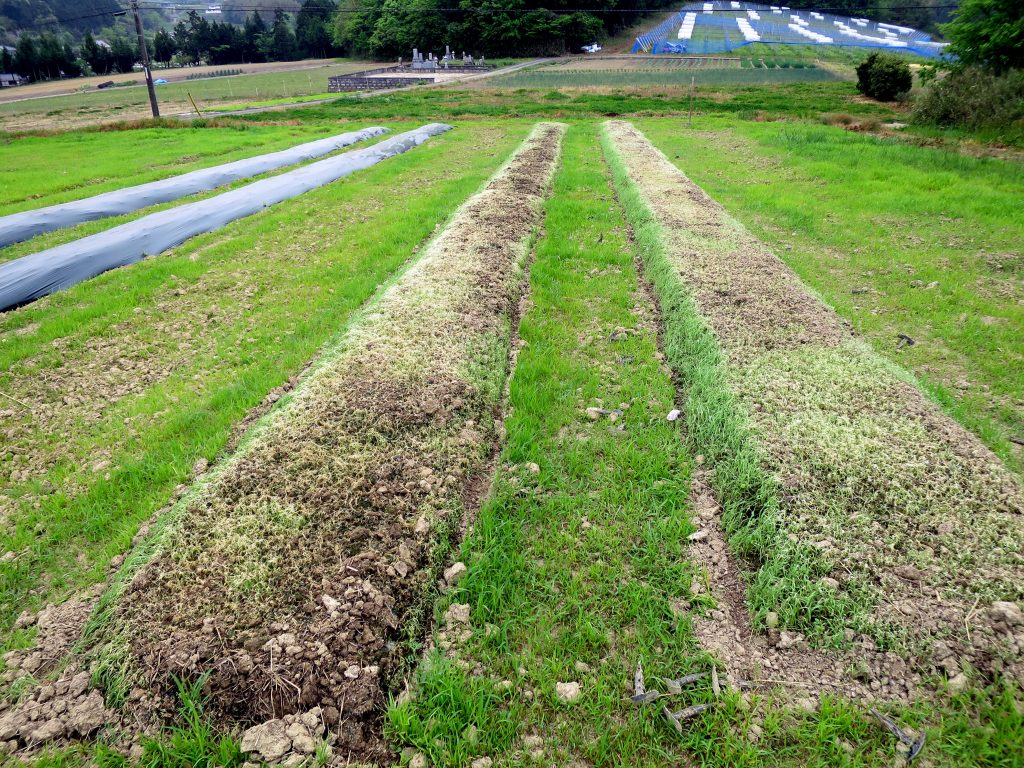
(66, 38)
(389, 28)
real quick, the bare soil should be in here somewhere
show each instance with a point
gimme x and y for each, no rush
(291, 574)
(780, 659)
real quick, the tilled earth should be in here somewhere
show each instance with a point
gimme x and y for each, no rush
(293, 570)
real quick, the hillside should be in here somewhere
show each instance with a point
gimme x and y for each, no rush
(76, 15)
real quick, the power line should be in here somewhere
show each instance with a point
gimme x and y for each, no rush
(263, 8)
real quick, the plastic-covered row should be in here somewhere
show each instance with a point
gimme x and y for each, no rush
(39, 274)
(26, 224)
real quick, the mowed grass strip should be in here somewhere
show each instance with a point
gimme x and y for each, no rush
(866, 509)
(46, 170)
(481, 99)
(577, 562)
(703, 76)
(128, 380)
(898, 238)
(308, 553)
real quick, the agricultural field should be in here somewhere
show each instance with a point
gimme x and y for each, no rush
(131, 101)
(655, 71)
(618, 425)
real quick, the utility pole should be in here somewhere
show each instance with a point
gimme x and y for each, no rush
(144, 54)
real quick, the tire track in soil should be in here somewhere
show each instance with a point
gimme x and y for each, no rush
(779, 659)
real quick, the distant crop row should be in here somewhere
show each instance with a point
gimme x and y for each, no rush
(776, 64)
(758, 72)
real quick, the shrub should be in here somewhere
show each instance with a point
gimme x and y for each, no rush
(974, 99)
(883, 76)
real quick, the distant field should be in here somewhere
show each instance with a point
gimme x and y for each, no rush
(768, 72)
(173, 74)
(132, 102)
(898, 238)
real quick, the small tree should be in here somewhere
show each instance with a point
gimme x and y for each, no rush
(312, 28)
(26, 57)
(123, 54)
(164, 47)
(253, 32)
(883, 76)
(988, 34)
(279, 43)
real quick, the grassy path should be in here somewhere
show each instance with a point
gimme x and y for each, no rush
(898, 238)
(133, 377)
(579, 555)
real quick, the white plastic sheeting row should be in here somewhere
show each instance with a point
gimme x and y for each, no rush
(810, 34)
(56, 269)
(901, 30)
(22, 226)
(748, 32)
(851, 32)
(686, 30)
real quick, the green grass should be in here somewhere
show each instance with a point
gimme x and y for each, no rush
(46, 170)
(850, 212)
(271, 103)
(792, 100)
(67, 234)
(248, 306)
(581, 561)
(705, 76)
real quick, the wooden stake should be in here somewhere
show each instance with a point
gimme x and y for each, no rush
(693, 87)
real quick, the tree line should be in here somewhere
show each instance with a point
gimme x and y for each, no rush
(194, 39)
(389, 28)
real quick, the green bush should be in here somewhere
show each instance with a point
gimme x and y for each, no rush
(883, 76)
(974, 99)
